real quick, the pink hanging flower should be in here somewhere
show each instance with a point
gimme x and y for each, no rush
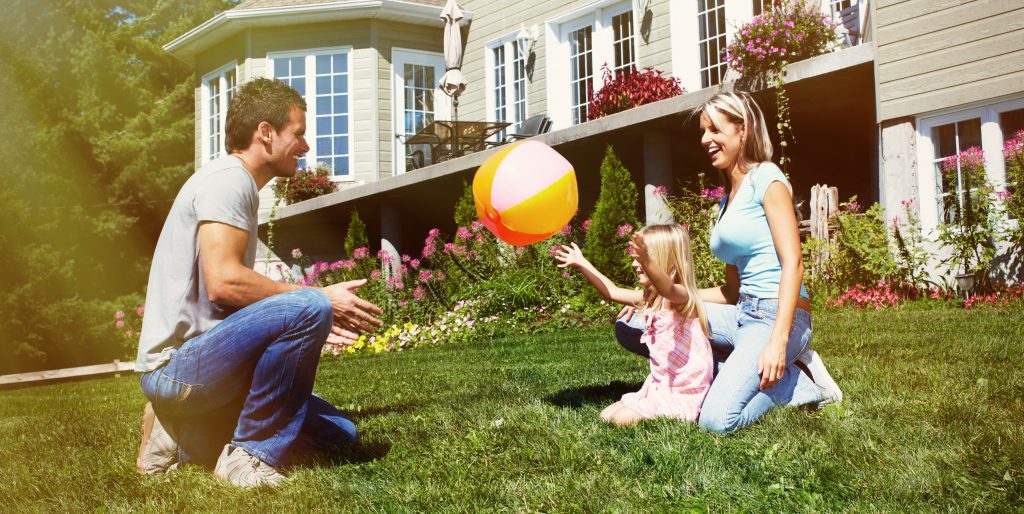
(118, 314)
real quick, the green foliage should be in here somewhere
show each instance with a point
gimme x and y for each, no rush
(859, 253)
(100, 127)
(616, 207)
(355, 236)
(912, 256)
(696, 208)
(465, 208)
(1013, 152)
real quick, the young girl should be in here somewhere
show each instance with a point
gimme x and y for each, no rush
(676, 325)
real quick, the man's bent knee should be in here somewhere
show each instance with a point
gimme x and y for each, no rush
(718, 423)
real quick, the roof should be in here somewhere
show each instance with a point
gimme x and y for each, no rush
(277, 13)
(256, 4)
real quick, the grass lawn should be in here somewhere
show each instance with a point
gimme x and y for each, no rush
(933, 420)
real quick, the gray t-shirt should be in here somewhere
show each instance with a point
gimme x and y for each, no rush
(177, 306)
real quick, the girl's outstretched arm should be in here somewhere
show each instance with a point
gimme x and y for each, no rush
(666, 287)
(571, 256)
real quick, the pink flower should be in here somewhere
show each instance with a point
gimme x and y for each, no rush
(375, 274)
(552, 250)
(119, 324)
(660, 191)
(434, 232)
(348, 264)
(426, 275)
(566, 274)
(405, 258)
(419, 293)
(429, 250)
(463, 233)
(715, 194)
(118, 314)
(586, 225)
(625, 230)
(415, 263)
(566, 230)
(296, 253)
(140, 310)
(129, 334)
(361, 253)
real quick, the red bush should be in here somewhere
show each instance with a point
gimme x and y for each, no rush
(630, 89)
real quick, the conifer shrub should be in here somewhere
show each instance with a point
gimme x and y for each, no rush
(465, 208)
(355, 237)
(606, 238)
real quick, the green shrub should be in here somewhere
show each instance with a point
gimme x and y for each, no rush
(971, 229)
(695, 208)
(1013, 152)
(355, 236)
(615, 211)
(465, 208)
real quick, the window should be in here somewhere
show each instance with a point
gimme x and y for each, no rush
(623, 42)
(948, 134)
(838, 5)
(949, 140)
(322, 77)
(418, 100)
(587, 39)
(582, 72)
(763, 6)
(711, 41)
(218, 89)
(506, 79)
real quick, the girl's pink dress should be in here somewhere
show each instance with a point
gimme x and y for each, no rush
(681, 368)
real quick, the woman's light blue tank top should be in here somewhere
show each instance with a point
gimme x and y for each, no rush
(743, 238)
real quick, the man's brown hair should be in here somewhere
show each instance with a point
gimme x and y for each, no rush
(257, 101)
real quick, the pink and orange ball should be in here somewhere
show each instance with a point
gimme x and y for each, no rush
(525, 193)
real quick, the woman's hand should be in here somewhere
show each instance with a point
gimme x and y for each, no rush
(772, 364)
(638, 249)
(570, 256)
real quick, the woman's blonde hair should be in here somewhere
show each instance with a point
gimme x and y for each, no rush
(741, 109)
(669, 248)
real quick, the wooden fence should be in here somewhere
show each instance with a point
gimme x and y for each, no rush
(115, 368)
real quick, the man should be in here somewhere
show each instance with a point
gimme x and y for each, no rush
(226, 353)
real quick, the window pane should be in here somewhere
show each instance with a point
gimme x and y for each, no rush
(969, 133)
(1011, 122)
(298, 65)
(323, 125)
(340, 63)
(323, 85)
(341, 103)
(280, 68)
(323, 146)
(341, 145)
(300, 86)
(341, 83)
(944, 139)
(323, 64)
(323, 105)
(341, 166)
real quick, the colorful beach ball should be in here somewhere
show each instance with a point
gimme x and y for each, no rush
(525, 193)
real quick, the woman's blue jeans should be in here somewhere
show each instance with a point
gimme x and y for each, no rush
(738, 335)
(249, 380)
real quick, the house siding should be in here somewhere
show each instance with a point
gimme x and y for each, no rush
(494, 20)
(934, 55)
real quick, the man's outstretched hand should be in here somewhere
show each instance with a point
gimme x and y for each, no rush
(352, 314)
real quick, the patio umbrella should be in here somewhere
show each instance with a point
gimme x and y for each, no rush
(452, 83)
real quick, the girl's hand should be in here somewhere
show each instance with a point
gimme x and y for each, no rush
(626, 313)
(570, 256)
(638, 249)
(772, 364)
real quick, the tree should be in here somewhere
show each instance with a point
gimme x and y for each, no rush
(355, 237)
(465, 208)
(616, 209)
(97, 123)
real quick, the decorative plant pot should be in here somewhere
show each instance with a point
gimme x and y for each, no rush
(965, 283)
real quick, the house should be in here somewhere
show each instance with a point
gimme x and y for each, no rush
(871, 118)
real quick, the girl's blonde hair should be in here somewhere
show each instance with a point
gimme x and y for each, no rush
(741, 109)
(669, 248)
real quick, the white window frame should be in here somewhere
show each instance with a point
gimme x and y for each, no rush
(507, 42)
(991, 145)
(442, 103)
(598, 15)
(310, 97)
(221, 76)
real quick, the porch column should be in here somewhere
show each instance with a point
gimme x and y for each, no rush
(657, 172)
(391, 233)
(898, 169)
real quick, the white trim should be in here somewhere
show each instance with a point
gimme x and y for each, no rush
(220, 74)
(309, 56)
(991, 143)
(442, 104)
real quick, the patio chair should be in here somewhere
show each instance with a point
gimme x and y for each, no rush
(532, 126)
(850, 19)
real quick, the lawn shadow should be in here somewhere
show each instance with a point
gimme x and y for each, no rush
(594, 394)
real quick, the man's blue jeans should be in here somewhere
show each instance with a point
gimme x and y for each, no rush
(249, 380)
(738, 335)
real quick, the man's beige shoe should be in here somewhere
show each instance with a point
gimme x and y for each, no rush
(160, 451)
(235, 466)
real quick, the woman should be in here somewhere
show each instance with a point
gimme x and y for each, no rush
(760, 319)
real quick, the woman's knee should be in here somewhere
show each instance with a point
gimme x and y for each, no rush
(717, 422)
